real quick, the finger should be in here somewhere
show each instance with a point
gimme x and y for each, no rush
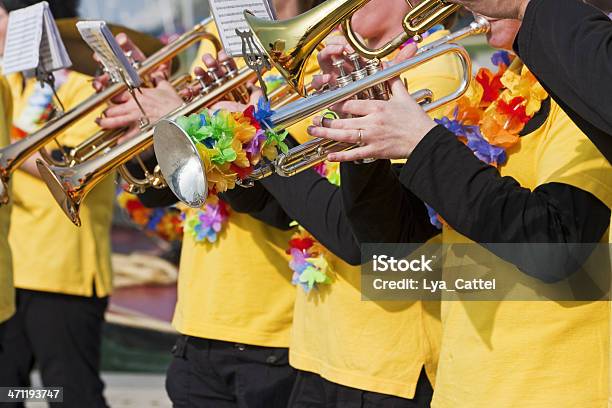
(223, 57)
(398, 88)
(330, 51)
(121, 98)
(346, 124)
(210, 62)
(319, 81)
(128, 45)
(407, 52)
(229, 106)
(339, 135)
(358, 153)
(336, 40)
(117, 122)
(120, 110)
(361, 107)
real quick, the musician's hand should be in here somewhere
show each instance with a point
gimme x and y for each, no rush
(389, 129)
(156, 102)
(512, 9)
(162, 72)
(336, 48)
(256, 93)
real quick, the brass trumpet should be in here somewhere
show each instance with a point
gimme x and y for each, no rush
(70, 185)
(14, 155)
(288, 44)
(179, 159)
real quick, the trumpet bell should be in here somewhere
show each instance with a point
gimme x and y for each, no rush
(289, 43)
(63, 188)
(180, 163)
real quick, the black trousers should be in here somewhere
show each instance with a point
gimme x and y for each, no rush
(217, 374)
(62, 335)
(313, 391)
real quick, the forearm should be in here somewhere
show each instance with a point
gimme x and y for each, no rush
(380, 209)
(316, 205)
(487, 208)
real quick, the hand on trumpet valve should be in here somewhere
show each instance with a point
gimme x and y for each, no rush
(381, 129)
(157, 102)
(335, 62)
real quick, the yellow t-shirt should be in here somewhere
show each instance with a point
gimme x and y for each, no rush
(540, 353)
(50, 254)
(7, 291)
(238, 289)
(374, 346)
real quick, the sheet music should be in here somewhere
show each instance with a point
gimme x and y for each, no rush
(33, 41)
(229, 16)
(100, 39)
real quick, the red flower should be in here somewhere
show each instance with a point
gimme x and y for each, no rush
(491, 84)
(515, 109)
(302, 244)
(249, 112)
(241, 172)
(133, 205)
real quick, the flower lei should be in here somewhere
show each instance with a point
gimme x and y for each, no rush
(38, 108)
(308, 257)
(230, 145)
(493, 112)
(164, 223)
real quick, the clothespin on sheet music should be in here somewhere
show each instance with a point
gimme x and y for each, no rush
(34, 46)
(117, 64)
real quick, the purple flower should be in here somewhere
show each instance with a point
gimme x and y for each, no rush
(255, 145)
(433, 217)
(298, 265)
(484, 150)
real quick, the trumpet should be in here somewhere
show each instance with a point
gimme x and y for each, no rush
(70, 185)
(14, 155)
(288, 44)
(179, 159)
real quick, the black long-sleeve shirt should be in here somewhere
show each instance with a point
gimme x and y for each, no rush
(477, 202)
(568, 46)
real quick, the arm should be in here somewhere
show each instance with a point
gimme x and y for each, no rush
(480, 204)
(369, 191)
(556, 38)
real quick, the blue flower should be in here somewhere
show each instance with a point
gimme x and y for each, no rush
(501, 57)
(264, 111)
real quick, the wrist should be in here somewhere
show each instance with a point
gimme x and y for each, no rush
(522, 8)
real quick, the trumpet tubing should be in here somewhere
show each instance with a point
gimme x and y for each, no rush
(14, 155)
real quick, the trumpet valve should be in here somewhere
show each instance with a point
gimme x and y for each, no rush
(380, 91)
(358, 74)
(135, 189)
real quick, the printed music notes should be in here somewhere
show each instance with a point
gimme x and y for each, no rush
(100, 39)
(229, 16)
(33, 42)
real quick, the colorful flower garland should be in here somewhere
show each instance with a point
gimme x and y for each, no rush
(230, 145)
(308, 257)
(164, 223)
(491, 115)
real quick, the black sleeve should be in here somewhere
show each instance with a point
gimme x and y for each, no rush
(487, 208)
(259, 204)
(316, 204)
(568, 46)
(380, 209)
